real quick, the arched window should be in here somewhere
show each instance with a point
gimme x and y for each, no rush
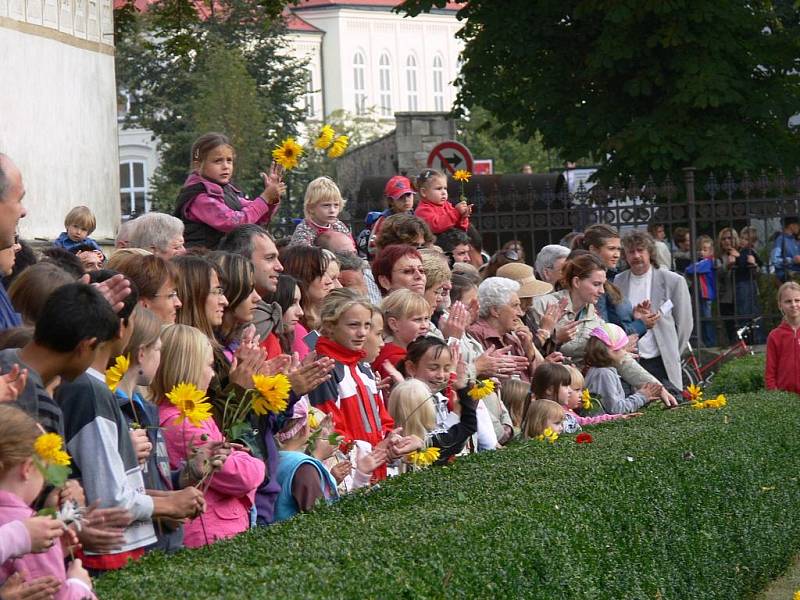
(411, 83)
(438, 84)
(385, 81)
(311, 109)
(359, 83)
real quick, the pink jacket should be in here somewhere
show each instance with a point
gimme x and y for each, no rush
(231, 490)
(441, 217)
(583, 421)
(14, 540)
(12, 508)
(209, 208)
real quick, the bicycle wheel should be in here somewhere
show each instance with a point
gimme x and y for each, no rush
(689, 375)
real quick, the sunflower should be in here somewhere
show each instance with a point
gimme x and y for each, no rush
(191, 402)
(586, 399)
(50, 448)
(273, 393)
(481, 389)
(462, 175)
(424, 458)
(338, 147)
(115, 374)
(313, 422)
(549, 435)
(288, 154)
(325, 138)
(694, 393)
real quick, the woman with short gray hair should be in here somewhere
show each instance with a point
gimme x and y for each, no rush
(160, 233)
(549, 262)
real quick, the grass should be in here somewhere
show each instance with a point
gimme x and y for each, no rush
(742, 375)
(672, 505)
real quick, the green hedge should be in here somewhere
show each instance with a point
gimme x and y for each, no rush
(673, 505)
(743, 375)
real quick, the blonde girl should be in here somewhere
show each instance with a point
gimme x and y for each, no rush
(783, 358)
(573, 422)
(516, 394)
(434, 208)
(406, 317)
(541, 415)
(322, 204)
(186, 357)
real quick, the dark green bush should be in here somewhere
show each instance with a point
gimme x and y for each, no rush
(743, 375)
(673, 505)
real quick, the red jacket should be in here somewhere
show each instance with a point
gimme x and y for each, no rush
(441, 217)
(783, 359)
(391, 352)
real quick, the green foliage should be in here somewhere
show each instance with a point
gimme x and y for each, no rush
(644, 86)
(676, 504)
(743, 375)
(229, 70)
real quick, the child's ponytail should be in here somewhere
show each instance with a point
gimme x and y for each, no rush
(18, 433)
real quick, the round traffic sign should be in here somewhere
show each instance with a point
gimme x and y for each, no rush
(449, 157)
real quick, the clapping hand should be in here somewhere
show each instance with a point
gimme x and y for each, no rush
(12, 384)
(310, 373)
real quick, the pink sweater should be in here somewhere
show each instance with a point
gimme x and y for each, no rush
(13, 509)
(230, 492)
(14, 540)
(209, 208)
(583, 421)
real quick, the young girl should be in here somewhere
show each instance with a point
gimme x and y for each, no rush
(412, 410)
(288, 296)
(210, 205)
(399, 197)
(572, 420)
(322, 203)
(783, 343)
(406, 318)
(434, 208)
(20, 483)
(707, 284)
(516, 394)
(727, 258)
(605, 349)
(541, 415)
(186, 357)
(748, 267)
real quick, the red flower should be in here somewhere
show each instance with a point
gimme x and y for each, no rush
(346, 446)
(583, 438)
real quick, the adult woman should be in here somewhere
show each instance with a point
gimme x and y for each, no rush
(397, 267)
(727, 256)
(33, 286)
(437, 283)
(155, 279)
(404, 229)
(289, 297)
(582, 286)
(239, 288)
(309, 266)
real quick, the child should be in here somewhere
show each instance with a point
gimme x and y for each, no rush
(303, 479)
(399, 197)
(406, 318)
(322, 203)
(20, 483)
(707, 283)
(572, 420)
(516, 394)
(434, 208)
(230, 492)
(210, 205)
(745, 274)
(783, 344)
(410, 406)
(79, 224)
(541, 415)
(605, 349)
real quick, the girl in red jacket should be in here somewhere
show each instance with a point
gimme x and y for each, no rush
(783, 343)
(433, 206)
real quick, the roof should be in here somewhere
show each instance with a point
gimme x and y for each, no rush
(295, 23)
(304, 4)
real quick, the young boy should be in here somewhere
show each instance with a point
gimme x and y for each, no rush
(322, 203)
(79, 224)
(707, 284)
(399, 197)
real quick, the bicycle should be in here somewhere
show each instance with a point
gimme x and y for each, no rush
(695, 373)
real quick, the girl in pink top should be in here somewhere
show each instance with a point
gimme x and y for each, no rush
(210, 205)
(186, 357)
(21, 481)
(574, 401)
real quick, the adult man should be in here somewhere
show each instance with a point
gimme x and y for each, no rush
(159, 233)
(549, 262)
(12, 191)
(256, 243)
(785, 255)
(652, 289)
(342, 246)
(455, 244)
(335, 241)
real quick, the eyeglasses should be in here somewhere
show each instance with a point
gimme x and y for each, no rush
(408, 271)
(172, 296)
(217, 291)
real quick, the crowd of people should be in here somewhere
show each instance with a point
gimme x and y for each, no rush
(412, 352)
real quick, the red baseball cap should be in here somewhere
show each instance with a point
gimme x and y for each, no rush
(397, 186)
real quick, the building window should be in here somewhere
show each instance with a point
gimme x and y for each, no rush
(132, 191)
(359, 83)
(310, 108)
(438, 84)
(411, 83)
(385, 75)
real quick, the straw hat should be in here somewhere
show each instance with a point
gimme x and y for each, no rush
(529, 286)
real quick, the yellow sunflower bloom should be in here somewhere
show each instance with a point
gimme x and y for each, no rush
(586, 399)
(191, 402)
(338, 147)
(50, 448)
(313, 423)
(115, 373)
(288, 154)
(273, 393)
(462, 175)
(325, 138)
(424, 458)
(481, 389)
(695, 393)
(548, 435)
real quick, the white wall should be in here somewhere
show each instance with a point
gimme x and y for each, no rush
(58, 110)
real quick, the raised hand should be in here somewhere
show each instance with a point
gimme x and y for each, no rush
(566, 333)
(274, 187)
(12, 384)
(367, 462)
(341, 470)
(114, 289)
(309, 374)
(276, 365)
(552, 315)
(456, 322)
(246, 363)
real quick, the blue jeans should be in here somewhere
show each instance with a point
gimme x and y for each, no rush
(708, 327)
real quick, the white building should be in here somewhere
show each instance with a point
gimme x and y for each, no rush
(58, 110)
(362, 57)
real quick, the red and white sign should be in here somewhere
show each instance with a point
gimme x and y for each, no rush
(483, 166)
(449, 157)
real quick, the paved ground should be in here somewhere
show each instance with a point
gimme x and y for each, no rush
(784, 587)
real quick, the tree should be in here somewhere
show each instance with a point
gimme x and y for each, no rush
(191, 67)
(645, 86)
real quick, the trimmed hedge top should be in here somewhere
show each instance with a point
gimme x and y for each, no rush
(674, 505)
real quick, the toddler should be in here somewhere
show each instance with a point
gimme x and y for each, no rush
(79, 224)
(434, 208)
(707, 283)
(322, 203)
(572, 420)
